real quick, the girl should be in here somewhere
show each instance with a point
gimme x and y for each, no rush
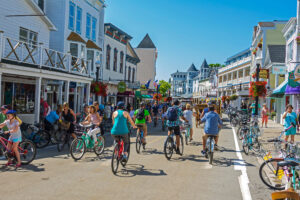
(94, 118)
(264, 115)
(15, 135)
(290, 117)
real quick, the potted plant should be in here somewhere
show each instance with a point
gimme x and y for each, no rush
(258, 88)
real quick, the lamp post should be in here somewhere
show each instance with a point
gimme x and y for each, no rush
(258, 60)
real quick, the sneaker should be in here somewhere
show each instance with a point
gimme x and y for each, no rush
(191, 139)
(216, 147)
(177, 151)
(124, 158)
(18, 165)
(8, 164)
(203, 153)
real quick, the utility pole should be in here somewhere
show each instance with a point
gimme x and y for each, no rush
(257, 80)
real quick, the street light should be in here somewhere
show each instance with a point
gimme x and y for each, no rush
(258, 61)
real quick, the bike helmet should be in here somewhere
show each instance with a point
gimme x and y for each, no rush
(11, 112)
(121, 104)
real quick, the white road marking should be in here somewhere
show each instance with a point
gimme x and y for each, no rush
(243, 179)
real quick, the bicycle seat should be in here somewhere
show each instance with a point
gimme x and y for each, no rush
(288, 163)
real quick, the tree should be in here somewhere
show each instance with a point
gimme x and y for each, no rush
(217, 65)
(164, 87)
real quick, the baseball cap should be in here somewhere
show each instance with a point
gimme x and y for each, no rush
(4, 107)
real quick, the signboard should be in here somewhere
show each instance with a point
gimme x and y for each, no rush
(297, 73)
(121, 87)
(279, 69)
(264, 73)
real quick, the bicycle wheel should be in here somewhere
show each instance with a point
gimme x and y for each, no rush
(186, 138)
(181, 145)
(62, 141)
(210, 153)
(256, 145)
(168, 147)
(272, 175)
(41, 139)
(138, 143)
(27, 151)
(115, 159)
(77, 149)
(240, 133)
(100, 146)
(245, 146)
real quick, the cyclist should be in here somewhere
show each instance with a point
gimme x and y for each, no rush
(155, 111)
(174, 114)
(212, 124)
(4, 110)
(120, 128)
(94, 118)
(15, 137)
(69, 116)
(188, 114)
(142, 115)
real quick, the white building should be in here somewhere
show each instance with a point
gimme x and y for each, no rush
(147, 53)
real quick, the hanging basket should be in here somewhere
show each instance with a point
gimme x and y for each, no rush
(99, 88)
(157, 97)
(233, 97)
(258, 89)
(259, 45)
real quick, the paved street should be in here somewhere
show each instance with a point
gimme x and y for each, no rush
(149, 175)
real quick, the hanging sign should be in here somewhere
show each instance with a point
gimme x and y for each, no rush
(264, 73)
(121, 87)
(297, 73)
(279, 69)
(292, 79)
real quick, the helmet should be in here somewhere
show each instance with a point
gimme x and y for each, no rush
(121, 104)
(11, 112)
(142, 104)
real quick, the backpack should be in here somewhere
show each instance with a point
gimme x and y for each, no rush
(141, 114)
(172, 114)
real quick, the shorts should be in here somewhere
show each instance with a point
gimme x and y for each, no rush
(205, 136)
(13, 140)
(176, 129)
(291, 131)
(144, 127)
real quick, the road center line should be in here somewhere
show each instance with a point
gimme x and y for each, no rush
(243, 179)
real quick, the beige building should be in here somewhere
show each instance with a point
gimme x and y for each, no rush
(147, 53)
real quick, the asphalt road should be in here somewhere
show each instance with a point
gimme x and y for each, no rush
(149, 175)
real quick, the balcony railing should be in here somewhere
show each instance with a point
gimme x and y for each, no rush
(20, 52)
(235, 64)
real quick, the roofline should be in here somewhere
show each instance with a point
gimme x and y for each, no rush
(288, 24)
(117, 29)
(239, 54)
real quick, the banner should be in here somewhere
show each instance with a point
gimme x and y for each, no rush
(279, 69)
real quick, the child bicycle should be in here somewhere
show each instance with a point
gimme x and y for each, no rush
(86, 142)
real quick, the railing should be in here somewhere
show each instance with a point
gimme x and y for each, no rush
(235, 64)
(32, 54)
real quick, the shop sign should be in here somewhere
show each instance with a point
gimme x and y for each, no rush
(297, 73)
(121, 87)
(279, 69)
(264, 73)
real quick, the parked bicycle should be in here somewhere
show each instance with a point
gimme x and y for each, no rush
(170, 145)
(250, 139)
(81, 145)
(36, 134)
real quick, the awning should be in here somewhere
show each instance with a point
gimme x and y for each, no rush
(145, 96)
(280, 90)
(292, 90)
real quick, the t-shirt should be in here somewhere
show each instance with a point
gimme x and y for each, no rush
(2, 119)
(289, 118)
(11, 126)
(132, 113)
(143, 121)
(52, 117)
(212, 120)
(155, 109)
(188, 114)
(253, 108)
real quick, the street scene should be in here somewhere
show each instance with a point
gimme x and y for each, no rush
(134, 99)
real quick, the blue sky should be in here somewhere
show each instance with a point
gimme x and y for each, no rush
(187, 31)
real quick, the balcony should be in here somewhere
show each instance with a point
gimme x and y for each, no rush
(235, 64)
(29, 55)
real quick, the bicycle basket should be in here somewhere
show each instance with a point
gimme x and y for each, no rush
(64, 125)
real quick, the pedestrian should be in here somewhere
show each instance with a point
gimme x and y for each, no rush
(290, 118)
(131, 113)
(264, 115)
(69, 116)
(253, 108)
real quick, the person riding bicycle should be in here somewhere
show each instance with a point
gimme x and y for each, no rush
(142, 115)
(212, 125)
(155, 111)
(96, 120)
(164, 114)
(120, 128)
(174, 114)
(69, 116)
(188, 114)
(15, 137)
(101, 113)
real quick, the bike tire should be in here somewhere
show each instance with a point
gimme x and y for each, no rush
(210, 157)
(268, 167)
(181, 146)
(62, 141)
(245, 147)
(115, 160)
(99, 149)
(77, 145)
(239, 132)
(41, 139)
(168, 147)
(138, 143)
(28, 152)
(256, 145)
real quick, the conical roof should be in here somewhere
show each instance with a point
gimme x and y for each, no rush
(146, 43)
(192, 68)
(204, 65)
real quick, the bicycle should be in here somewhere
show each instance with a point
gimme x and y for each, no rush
(243, 129)
(79, 146)
(210, 146)
(186, 130)
(139, 138)
(62, 135)
(118, 153)
(26, 148)
(250, 140)
(170, 145)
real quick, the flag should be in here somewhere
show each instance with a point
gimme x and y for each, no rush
(147, 84)
(155, 83)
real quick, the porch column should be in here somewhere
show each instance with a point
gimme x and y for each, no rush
(81, 98)
(37, 101)
(88, 91)
(67, 86)
(75, 99)
(60, 91)
(1, 98)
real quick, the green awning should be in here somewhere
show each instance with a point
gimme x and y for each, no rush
(280, 90)
(138, 94)
(145, 96)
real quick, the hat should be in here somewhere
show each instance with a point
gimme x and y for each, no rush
(11, 112)
(4, 107)
(120, 104)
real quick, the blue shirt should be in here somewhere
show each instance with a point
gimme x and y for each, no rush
(212, 120)
(52, 117)
(290, 117)
(177, 122)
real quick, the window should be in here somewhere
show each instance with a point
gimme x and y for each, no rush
(240, 73)
(290, 50)
(108, 57)
(220, 79)
(229, 76)
(71, 16)
(88, 26)
(82, 53)
(78, 20)
(41, 4)
(129, 73)
(90, 58)
(94, 24)
(133, 74)
(121, 61)
(225, 78)
(234, 75)
(247, 72)
(115, 59)
(28, 36)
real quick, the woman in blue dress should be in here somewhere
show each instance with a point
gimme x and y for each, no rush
(290, 117)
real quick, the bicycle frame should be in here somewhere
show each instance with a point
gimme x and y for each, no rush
(211, 140)
(4, 143)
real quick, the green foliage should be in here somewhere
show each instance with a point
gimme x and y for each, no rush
(217, 65)
(164, 87)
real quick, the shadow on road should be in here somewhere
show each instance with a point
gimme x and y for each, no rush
(227, 162)
(132, 170)
(194, 158)
(37, 167)
(150, 151)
